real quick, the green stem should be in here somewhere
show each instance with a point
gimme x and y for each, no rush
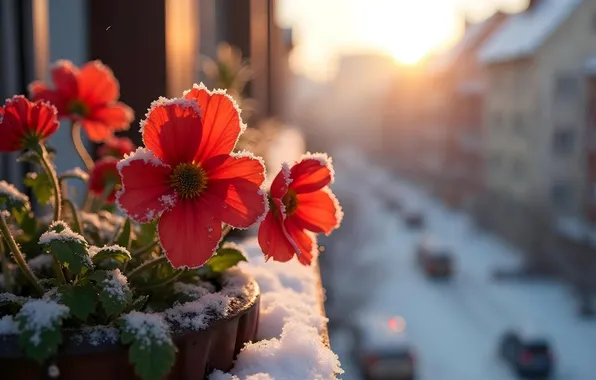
(6, 276)
(225, 231)
(67, 203)
(51, 172)
(79, 146)
(104, 196)
(143, 249)
(146, 266)
(162, 283)
(18, 255)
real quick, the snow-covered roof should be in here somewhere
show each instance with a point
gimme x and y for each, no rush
(523, 33)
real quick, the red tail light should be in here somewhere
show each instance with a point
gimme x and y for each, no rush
(526, 357)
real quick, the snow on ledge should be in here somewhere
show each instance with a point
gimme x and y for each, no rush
(290, 325)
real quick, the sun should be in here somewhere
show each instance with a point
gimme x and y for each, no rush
(406, 29)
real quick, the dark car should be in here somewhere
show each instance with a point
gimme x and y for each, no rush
(382, 352)
(435, 261)
(528, 357)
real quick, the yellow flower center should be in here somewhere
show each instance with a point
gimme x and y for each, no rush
(189, 180)
(290, 201)
(77, 107)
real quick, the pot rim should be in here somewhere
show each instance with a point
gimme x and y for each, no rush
(78, 341)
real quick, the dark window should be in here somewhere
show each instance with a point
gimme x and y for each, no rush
(563, 142)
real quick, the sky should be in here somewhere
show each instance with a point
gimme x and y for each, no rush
(404, 29)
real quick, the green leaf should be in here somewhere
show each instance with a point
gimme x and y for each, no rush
(114, 295)
(124, 237)
(225, 257)
(111, 257)
(68, 247)
(26, 220)
(41, 186)
(40, 326)
(12, 199)
(151, 351)
(81, 299)
(146, 234)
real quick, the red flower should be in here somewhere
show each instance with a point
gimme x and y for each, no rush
(23, 124)
(301, 204)
(188, 177)
(116, 147)
(89, 96)
(104, 174)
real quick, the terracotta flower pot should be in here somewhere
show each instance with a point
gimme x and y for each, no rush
(199, 352)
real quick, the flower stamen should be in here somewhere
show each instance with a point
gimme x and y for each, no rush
(78, 108)
(189, 180)
(290, 201)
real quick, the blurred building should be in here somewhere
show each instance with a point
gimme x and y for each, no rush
(460, 85)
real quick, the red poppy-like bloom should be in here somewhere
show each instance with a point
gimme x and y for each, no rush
(23, 124)
(116, 147)
(104, 174)
(188, 178)
(301, 204)
(87, 95)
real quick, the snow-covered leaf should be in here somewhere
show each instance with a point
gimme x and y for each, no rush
(225, 257)
(115, 296)
(70, 248)
(41, 186)
(40, 327)
(111, 257)
(151, 351)
(12, 199)
(75, 173)
(81, 299)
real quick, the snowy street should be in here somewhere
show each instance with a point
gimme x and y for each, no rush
(455, 327)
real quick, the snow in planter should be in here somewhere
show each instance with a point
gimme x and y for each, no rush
(197, 315)
(151, 350)
(115, 295)
(40, 325)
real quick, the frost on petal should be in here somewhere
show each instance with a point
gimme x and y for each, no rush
(222, 123)
(312, 173)
(173, 130)
(146, 192)
(282, 181)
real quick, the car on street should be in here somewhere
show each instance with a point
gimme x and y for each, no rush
(436, 261)
(382, 350)
(529, 356)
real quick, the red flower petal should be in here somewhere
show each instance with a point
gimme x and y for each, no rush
(117, 116)
(97, 84)
(64, 74)
(273, 240)
(312, 173)
(188, 234)
(97, 131)
(104, 173)
(146, 191)
(318, 211)
(39, 91)
(304, 241)
(234, 190)
(221, 121)
(43, 119)
(281, 183)
(172, 130)
(11, 130)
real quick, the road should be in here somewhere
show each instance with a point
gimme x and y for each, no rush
(455, 326)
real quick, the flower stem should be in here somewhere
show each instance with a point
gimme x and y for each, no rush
(99, 202)
(51, 172)
(143, 249)
(67, 203)
(6, 277)
(18, 255)
(145, 266)
(79, 146)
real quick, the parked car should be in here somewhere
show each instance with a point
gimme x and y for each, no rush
(436, 261)
(530, 357)
(414, 218)
(382, 350)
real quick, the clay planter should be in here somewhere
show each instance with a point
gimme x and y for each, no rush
(199, 352)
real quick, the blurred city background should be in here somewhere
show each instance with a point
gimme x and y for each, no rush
(463, 134)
